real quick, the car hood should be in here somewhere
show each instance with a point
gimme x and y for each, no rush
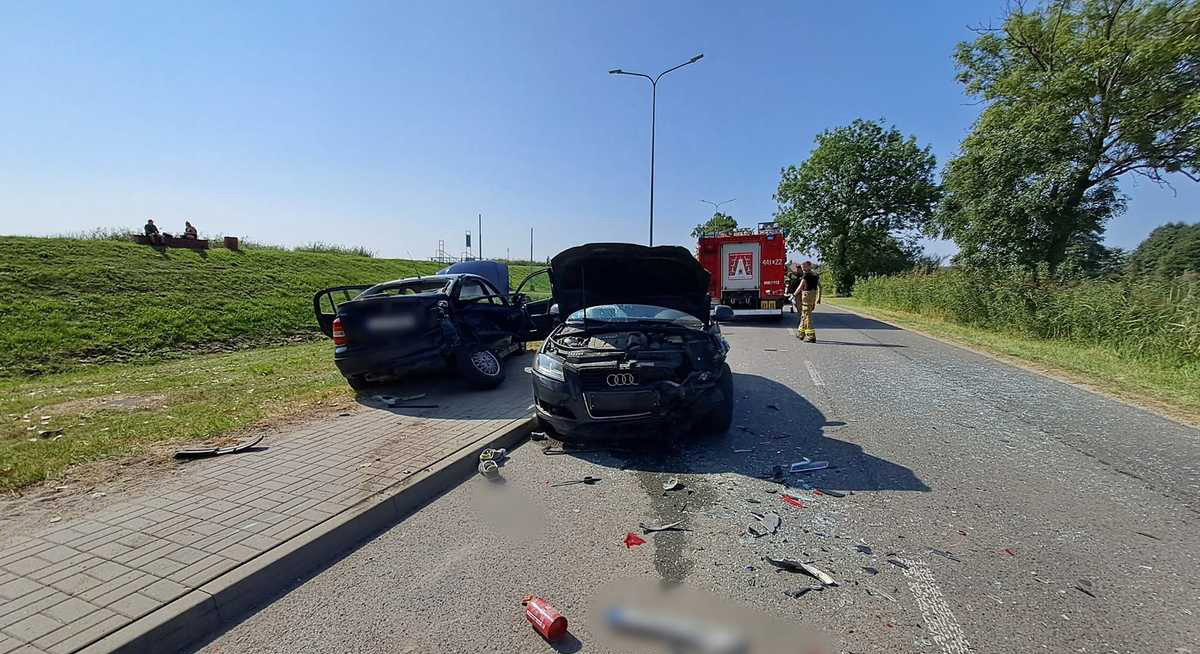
(623, 273)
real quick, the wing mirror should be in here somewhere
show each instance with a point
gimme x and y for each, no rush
(554, 311)
(722, 313)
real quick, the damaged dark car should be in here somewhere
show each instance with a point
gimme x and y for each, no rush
(463, 318)
(639, 347)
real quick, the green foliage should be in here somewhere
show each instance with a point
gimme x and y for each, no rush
(334, 248)
(1087, 256)
(67, 302)
(1079, 93)
(1170, 251)
(720, 223)
(862, 187)
(1139, 317)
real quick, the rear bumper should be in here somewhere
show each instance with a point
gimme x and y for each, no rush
(758, 312)
(386, 361)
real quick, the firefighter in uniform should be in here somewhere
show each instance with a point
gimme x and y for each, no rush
(807, 296)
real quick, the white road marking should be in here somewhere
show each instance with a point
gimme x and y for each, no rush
(939, 619)
(812, 372)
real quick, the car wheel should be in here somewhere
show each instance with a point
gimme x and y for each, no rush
(481, 367)
(358, 382)
(720, 419)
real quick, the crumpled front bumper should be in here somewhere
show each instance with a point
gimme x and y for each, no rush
(574, 412)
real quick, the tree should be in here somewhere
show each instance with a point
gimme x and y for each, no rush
(720, 223)
(1169, 251)
(1087, 256)
(861, 188)
(1078, 94)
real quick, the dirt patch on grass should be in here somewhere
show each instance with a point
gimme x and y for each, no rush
(116, 402)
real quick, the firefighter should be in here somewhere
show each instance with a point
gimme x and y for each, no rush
(807, 297)
(792, 281)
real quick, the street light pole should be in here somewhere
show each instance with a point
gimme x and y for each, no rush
(717, 205)
(653, 112)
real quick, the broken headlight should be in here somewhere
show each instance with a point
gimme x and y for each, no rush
(549, 366)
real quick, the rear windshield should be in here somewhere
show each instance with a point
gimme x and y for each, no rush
(412, 287)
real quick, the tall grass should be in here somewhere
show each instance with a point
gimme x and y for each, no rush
(334, 248)
(1138, 317)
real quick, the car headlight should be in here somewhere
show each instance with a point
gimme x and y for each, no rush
(549, 366)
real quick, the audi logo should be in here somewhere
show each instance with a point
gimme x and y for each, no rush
(621, 379)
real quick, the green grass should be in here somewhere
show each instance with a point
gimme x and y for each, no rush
(68, 303)
(193, 400)
(1170, 386)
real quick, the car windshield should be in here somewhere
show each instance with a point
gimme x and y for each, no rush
(411, 287)
(617, 313)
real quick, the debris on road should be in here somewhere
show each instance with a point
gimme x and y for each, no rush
(753, 500)
(826, 491)
(537, 436)
(50, 433)
(1009, 551)
(490, 470)
(864, 549)
(743, 451)
(1084, 586)
(589, 480)
(674, 526)
(794, 501)
(792, 565)
(773, 406)
(98, 494)
(202, 452)
(808, 465)
(545, 619)
(797, 594)
(1142, 533)
(872, 591)
(633, 540)
(490, 454)
(899, 564)
(946, 555)
(767, 523)
(672, 484)
(869, 570)
(410, 398)
(550, 450)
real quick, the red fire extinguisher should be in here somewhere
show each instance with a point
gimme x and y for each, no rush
(546, 620)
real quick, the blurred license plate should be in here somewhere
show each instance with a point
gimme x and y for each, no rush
(398, 323)
(768, 304)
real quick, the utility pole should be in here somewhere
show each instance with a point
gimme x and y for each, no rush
(531, 244)
(479, 237)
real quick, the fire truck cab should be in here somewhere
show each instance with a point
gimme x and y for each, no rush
(747, 269)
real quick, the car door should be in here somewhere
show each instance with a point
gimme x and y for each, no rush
(534, 300)
(325, 304)
(486, 312)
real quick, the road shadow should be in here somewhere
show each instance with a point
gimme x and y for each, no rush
(444, 394)
(846, 320)
(778, 426)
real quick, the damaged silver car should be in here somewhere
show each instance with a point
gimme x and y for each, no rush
(639, 349)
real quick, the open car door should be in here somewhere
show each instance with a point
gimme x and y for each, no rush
(325, 304)
(534, 299)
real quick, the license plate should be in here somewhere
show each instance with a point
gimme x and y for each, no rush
(767, 304)
(398, 323)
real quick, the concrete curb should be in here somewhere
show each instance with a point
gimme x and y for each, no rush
(204, 612)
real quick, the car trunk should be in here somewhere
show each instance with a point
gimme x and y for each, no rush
(389, 321)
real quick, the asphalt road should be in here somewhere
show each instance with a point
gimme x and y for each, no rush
(985, 509)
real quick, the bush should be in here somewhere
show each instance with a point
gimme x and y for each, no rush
(1139, 316)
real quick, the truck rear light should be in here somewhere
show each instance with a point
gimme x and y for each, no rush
(339, 334)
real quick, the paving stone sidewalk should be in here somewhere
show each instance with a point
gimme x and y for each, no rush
(82, 579)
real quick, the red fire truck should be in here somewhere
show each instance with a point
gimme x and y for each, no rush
(748, 268)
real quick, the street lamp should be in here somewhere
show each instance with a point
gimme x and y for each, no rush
(653, 103)
(717, 205)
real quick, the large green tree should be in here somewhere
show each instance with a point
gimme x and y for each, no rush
(720, 223)
(1169, 251)
(863, 186)
(1078, 93)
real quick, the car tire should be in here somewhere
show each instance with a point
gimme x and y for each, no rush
(720, 419)
(480, 367)
(358, 382)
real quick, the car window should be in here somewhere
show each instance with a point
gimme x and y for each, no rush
(412, 287)
(472, 289)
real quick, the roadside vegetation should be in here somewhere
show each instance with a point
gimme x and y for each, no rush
(116, 411)
(65, 303)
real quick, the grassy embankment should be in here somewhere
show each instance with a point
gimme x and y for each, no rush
(125, 348)
(1137, 339)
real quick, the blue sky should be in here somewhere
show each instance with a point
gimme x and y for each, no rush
(391, 125)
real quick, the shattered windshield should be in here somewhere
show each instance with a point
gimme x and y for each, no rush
(617, 313)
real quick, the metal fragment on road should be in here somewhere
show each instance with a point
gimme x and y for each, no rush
(831, 493)
(946, 555)
(588, 480)
(899, 564)
(1084, 586)
(808, 465)
(793, 565)
(672, 484)
(743, 451)
(674, 526)
(202, 452)
(537, 436)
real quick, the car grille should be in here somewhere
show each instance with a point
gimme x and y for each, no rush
(597, 380)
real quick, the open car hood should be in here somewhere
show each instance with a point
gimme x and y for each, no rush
(623, 273)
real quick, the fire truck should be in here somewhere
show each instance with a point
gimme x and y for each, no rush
(747, 268)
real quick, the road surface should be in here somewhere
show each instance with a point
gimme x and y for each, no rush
(985, 509)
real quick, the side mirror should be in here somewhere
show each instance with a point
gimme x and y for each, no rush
(554, 310)
(722, 313)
